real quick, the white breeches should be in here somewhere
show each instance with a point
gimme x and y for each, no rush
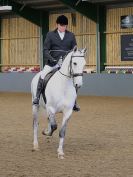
(47, 69)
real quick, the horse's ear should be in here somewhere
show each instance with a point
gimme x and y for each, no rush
(75, 48)
(84, 50)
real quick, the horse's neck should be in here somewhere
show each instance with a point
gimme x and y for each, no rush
(65, 65)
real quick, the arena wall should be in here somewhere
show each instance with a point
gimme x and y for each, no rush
(94, 84)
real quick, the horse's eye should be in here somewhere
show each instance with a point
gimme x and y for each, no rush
(75, 63)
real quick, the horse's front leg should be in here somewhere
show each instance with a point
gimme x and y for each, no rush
(52, 126)
(66, 116)
(35, 110)
(48, 131)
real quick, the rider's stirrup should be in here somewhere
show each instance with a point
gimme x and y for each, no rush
(39, 91)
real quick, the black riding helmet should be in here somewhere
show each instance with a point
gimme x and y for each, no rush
(62, 20)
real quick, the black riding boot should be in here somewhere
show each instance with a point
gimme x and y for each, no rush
(39, 91)
(76, 108)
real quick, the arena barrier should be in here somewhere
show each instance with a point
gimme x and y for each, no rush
(34, 69)
(119, 69)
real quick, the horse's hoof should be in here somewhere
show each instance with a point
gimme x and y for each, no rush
(35, 148)
(46, 133)
(61, 156)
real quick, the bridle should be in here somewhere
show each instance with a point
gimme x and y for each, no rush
(72, 74)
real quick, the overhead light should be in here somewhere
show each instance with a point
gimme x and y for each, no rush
(5, 8)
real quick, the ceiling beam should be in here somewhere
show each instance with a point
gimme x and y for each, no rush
(24, 11)
(41, 2)
(48, 6)
(32, 1)
(86, 8)
(108, 1)
(94, 1)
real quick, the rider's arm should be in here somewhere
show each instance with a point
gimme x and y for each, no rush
(74, 43)
(47, 47)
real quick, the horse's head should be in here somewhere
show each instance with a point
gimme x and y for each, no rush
(77, 64)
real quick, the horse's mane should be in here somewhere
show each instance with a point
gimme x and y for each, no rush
(71, 51)
(67, 54)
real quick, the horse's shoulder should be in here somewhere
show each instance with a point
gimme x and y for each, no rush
(36, 76)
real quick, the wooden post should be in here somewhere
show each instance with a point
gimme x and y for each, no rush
(44, 29)
(97, 43)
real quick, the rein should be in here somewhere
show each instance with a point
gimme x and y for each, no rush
(64, 74)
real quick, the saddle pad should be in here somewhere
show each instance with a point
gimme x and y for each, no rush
(46, 79)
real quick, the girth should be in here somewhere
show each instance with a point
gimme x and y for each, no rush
(45, 82)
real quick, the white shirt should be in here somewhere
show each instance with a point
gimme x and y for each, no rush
(61, 34)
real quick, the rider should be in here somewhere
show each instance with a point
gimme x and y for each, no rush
(56, 45)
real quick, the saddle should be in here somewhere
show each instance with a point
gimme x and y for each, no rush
(45, 82)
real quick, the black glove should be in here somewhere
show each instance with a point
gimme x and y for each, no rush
(52, 62)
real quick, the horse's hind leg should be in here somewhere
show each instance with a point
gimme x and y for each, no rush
(62, 132)
(35, 109)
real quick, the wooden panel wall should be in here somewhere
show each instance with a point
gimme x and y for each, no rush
(113, 36)
(20, 42)
(84, 30)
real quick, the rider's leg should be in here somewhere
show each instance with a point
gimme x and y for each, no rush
(76, 107)
(44, 72)
(39, 91)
